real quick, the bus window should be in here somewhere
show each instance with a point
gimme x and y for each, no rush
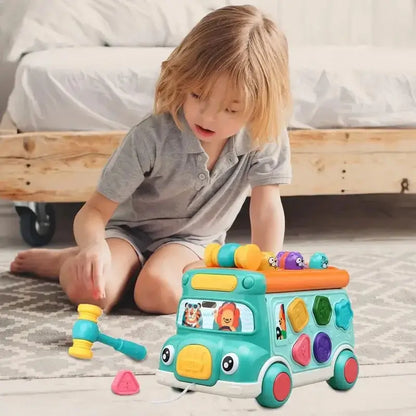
(216, 315)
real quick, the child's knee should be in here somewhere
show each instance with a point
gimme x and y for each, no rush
(153, 295)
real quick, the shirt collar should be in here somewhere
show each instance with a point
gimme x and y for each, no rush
(191, 143)
(242, 142)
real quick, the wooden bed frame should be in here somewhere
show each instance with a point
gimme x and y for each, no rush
(39, 168)
(65, 166)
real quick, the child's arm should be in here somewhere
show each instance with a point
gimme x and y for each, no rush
(267, 218)
(91, 219)
(89, 232)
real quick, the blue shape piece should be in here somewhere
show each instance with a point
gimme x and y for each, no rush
(343, 314)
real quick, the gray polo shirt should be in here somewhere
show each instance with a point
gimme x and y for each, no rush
(159, 177)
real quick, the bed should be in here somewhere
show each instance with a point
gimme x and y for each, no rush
(353, 130)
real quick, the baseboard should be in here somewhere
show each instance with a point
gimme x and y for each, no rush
(9, 221)
(6, 207)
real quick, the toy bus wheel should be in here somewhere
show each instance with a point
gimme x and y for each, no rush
(276, 386)
(345, 371)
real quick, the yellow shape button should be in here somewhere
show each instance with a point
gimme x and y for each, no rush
(194, 361)
(209, 281)
(298, 314)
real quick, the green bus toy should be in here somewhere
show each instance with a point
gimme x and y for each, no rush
(255, 325)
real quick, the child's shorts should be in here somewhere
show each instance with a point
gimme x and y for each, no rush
(143, 245)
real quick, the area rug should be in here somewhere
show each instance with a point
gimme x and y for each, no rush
(36, 321)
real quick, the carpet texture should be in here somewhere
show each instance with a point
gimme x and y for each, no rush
(36, 322)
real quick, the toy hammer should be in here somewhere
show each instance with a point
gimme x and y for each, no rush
(85, 332)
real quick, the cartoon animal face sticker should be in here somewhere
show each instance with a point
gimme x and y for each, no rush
(192, 315)
(281, 327)
(291, 260)
(227, 317)
(272, 262)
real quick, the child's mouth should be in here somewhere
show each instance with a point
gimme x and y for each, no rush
(204, 132)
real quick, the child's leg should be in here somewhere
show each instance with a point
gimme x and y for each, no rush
(42, 262)
(124, 264)
(159, 285)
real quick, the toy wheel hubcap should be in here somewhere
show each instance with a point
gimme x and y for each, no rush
(281, 386)
(351, 370)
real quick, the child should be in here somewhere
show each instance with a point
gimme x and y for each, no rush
(179, 178)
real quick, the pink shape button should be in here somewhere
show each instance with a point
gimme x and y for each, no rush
(125, 383)
(301, 351)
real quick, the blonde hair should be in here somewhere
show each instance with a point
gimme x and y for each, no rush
(242, 43)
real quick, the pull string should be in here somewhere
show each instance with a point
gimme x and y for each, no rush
(176, 397)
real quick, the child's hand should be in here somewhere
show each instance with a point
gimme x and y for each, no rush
(91, 263)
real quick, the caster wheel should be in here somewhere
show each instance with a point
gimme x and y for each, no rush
(37, 227)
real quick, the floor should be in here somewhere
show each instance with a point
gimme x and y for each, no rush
(313, 223)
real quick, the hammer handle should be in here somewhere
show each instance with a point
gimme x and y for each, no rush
(129, 348)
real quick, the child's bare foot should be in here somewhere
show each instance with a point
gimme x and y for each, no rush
(42, 262)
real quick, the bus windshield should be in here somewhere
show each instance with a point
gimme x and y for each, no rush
(216, 315)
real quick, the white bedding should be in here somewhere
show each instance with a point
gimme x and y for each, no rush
(99, 88)
(353, 86)
(85, 88)
(35, 25)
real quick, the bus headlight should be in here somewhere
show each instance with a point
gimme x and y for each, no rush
(168, 353)
(229, 363)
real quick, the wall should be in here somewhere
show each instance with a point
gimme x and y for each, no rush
(349, 22)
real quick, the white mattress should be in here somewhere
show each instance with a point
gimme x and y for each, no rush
(102, 88)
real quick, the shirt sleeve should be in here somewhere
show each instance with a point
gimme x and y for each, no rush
(127, 166)
(271, 164)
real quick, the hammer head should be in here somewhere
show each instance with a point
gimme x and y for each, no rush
(85, 331)
(81, 349)
(89, 312)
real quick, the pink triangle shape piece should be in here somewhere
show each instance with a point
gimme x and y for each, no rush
(301, 351)
(125, 383)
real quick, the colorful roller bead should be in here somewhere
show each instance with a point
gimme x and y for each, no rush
(226, 255)
(290, 260)
(247, 256)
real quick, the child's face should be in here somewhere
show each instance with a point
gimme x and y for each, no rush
(217, 117)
